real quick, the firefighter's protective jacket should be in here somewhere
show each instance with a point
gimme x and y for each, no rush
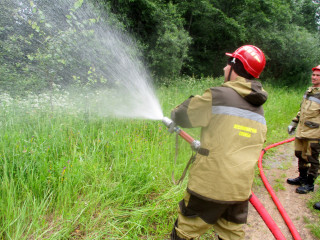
(308, 118)
(233, 130)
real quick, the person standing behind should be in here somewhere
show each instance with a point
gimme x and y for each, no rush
(233, 130)
(307, 140)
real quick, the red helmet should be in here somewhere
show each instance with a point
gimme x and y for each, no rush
(316, 68)
(252, 59)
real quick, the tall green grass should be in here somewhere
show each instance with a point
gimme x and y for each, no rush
(70, 175)
(281, 107)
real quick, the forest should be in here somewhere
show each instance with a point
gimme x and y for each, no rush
(44, 43)
(84, 85)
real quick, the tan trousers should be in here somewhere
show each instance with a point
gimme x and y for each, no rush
(194, 227)
(307, 151)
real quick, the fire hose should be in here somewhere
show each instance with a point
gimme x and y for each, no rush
(195, 145)
(283, 213)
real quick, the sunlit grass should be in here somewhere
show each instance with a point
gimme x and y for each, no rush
(65, 174)
(68, 174)
(281, 107)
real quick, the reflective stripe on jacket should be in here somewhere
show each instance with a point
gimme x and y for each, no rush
(233, 129)
(309, 115)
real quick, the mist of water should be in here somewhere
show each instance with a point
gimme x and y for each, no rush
(111, 54)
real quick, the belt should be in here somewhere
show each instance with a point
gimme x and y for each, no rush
(203, 151)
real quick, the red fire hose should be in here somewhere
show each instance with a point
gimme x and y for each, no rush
(283, 213)
(266, 217)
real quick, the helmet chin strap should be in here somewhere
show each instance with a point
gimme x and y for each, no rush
(231, 68)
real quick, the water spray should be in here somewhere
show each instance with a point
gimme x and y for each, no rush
(172, 127)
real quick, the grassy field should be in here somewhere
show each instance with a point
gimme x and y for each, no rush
(72, 175)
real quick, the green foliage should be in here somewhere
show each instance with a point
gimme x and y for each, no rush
(68, 175)
(306, 13)
(51, 43)
(299, 54)
(290, 47)
(171, 46)
(82, 175)
(281, 107)
(57, 42)
(15, 45)
(65, 174)
(213, 33)
(314, 225)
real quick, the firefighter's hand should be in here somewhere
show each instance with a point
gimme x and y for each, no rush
(292, 127)
(172, 126)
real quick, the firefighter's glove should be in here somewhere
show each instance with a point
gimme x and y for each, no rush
(292, 127)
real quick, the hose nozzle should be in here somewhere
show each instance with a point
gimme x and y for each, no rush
(172, 127)
(167, 121)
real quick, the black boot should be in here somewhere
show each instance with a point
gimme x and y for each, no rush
(302, 179)
(296, 181)
(317, 206)
(308, 187)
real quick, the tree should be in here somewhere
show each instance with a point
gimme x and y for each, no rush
(306, 14)
(170, 50)
(272, 25)
(213, 33)
(70, 42)
(159, 27)
(51, 43)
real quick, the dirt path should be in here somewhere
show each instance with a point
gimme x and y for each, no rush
(277, 169)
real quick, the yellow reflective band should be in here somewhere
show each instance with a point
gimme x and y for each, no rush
(244, 128)
(245, 134)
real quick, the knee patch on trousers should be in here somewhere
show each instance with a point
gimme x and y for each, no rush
(210, 211)
(188, 212)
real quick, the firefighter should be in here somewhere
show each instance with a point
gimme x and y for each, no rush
(233, 130)
(307, 140)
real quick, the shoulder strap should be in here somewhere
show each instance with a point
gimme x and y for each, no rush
(193, 156)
